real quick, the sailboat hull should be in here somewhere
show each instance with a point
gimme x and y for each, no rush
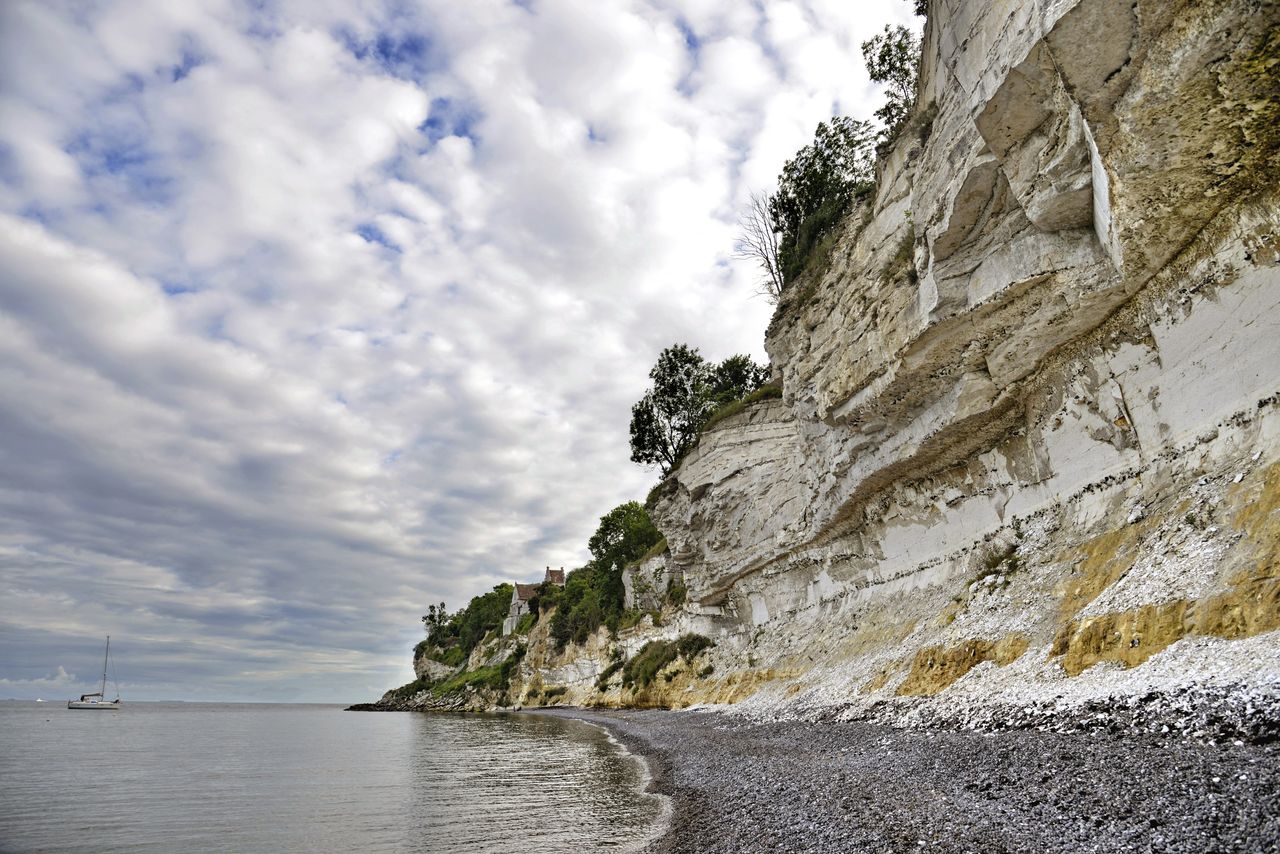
(88, 704)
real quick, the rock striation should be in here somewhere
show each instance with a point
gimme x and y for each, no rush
(1027, 458)
(1027, 447)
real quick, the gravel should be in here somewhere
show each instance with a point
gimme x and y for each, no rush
(798, 786)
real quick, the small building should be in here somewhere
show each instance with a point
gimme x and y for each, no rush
(523, 593)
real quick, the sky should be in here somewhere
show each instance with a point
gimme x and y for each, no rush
(315, 312)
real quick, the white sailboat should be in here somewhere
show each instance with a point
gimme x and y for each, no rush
(98, 699)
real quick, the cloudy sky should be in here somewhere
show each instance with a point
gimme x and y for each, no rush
(312, 313)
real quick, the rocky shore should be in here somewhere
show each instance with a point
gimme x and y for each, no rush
(795, 786)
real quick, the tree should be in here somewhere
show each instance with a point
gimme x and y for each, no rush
(817, 186)
(758, 241)
(624, 534)
(436, 617)
(686, 389)
(735, 378)
(665, 422)
(893, 58)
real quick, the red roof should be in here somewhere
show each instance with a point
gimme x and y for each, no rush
(555, 576)
(525, 592)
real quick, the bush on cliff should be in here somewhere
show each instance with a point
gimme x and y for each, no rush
(644, 667)
(454, 637)
(686, 390)
(817, 186)
(593, 595)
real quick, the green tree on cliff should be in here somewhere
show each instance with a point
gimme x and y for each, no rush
(686, 390)
(893, 58)
(593, 595)
(818, 185)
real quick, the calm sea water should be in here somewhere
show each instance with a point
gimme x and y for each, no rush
(214, 777)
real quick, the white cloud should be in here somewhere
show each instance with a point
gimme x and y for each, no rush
(316, 313)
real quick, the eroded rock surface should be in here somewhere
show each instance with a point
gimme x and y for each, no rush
(1026, 465)
(1039, 460)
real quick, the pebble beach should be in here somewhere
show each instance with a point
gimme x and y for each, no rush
(794, 786)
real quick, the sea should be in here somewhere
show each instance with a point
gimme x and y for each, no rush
(257, 777)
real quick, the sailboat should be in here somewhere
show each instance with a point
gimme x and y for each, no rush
(98, 699)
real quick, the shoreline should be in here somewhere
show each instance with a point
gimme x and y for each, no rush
(738, 785)
(662, 826)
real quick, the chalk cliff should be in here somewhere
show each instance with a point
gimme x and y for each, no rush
(1027, 458)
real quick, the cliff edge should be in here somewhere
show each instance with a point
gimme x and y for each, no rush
(1025, 470)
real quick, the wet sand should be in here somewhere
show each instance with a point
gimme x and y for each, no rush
(738, 786)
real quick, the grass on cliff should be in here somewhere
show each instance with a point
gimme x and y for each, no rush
(654, 656)
(496, 677)
(765, 392)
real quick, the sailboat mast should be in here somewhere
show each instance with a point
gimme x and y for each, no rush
(104, 667)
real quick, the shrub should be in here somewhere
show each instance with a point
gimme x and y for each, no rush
(900, 264)
(656, 655)
(469, 627)
(764, 392)
(453, 656)
(602, 682)
(654, 550)
(677, 593)
(406, 691)
(817, 186)
(593, 595)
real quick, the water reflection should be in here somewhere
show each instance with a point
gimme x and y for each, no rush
(160, 777)
(525, 782)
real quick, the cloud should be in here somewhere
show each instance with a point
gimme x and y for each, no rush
(313, 313)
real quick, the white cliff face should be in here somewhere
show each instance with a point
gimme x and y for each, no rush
(995, 457)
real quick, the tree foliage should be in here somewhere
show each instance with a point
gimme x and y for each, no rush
(593, 595)
(686, 390)
(817, 186)
(893, 58)
(434, 620)
(467, 627)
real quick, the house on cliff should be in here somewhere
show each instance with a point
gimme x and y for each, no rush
(523, 593)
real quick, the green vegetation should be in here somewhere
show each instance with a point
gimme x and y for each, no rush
(593, 595)
(406, 691)
(793, 231)
(900, 265)
(632, 618)
(654, 656)
(686, 390)
(606, 675)
(451, 638)
(496, 677)
(654, 550)
(893, 58)
(817, 186)
(677, 593)
(452, 656)
(481, 677)
(999, 562)
(764, 392)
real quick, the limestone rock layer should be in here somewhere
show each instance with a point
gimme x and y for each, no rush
(1028, 451)
(1038, 457)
